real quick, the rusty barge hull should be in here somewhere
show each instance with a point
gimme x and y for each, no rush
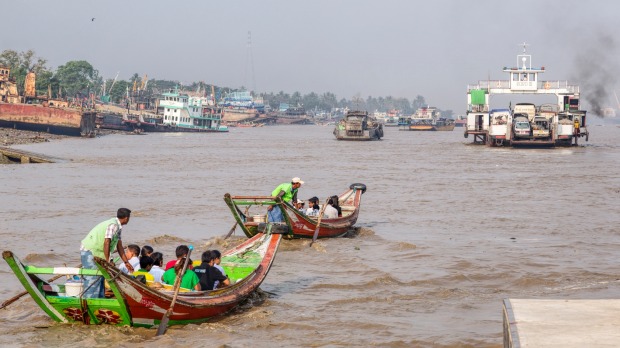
(73, 122)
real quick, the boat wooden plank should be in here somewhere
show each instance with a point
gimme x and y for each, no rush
(561, 323)
(61, 270)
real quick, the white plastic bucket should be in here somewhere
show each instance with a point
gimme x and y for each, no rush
(258, 218)
(73, 289)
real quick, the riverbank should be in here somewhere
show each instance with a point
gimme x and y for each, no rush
(10, 136)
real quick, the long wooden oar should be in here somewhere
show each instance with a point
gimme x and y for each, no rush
(177, 285)
(318, 222)
(22, 294)
(236, 222)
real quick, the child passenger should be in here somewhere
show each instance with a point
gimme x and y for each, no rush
(208, 274)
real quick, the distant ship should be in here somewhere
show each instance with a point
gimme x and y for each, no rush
(358, 125)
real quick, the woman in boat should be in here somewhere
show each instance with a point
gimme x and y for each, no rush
(336, 205)
(190, 279)
(330, 212)
(313, 207)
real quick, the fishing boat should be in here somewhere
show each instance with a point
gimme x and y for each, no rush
(246, 265)
(296, 223)
(133, 303)
(62, 302)
(358, 125)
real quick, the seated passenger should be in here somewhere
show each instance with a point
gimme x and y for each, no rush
(146, 263)
(147, 250)
(181, 251)
(217, 259)
(313, 207)
(133, 254)
(337, 205)
(299, 205)
(208, 274)
(330, 212)
(157, 271)
(190, 279)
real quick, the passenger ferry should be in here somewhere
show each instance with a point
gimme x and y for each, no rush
(525, 124)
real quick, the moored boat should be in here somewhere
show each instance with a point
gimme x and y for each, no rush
(40, 113)
(184, 113)
(298, 224)
(358, 125)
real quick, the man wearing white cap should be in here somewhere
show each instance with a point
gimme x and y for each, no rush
(288, 193)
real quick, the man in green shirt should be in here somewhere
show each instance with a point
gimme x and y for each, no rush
(288, 193)
(103, 238)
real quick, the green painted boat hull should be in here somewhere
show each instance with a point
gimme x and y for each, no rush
(66, 309)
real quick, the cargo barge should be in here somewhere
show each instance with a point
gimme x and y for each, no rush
(49, 115)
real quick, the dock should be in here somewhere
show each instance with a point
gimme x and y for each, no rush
(561, 323)
(9, 155)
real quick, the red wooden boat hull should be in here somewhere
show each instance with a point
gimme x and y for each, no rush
(299, 224)
(147, 305)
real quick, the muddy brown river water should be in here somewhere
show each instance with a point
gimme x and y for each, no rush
(447, 231)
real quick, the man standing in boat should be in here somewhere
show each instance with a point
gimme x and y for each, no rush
(288, 193)
(100, 241)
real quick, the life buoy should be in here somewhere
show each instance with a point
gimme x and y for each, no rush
(358, 186)
(547, 85)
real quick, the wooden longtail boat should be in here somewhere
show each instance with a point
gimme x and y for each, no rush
(298, 224)
(53, 299)
(246, 266)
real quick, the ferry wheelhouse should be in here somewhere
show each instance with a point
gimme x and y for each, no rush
(525, 124)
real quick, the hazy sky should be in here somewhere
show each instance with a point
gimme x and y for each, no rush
(349, 47)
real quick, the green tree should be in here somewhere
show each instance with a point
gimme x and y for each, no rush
(77, 78)
(418, 102)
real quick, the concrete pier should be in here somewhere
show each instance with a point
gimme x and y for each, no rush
(9, 155)
(561, 323)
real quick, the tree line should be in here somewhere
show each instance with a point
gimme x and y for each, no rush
(79, 79)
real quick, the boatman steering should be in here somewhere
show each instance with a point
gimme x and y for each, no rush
(100, 242)
(287, 192)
